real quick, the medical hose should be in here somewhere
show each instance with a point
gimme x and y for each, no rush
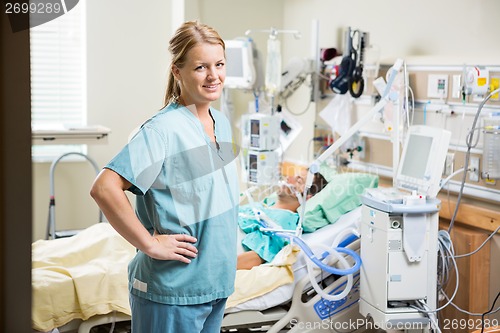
(349, 271)
(343, 239)
(332, 270)
(314, 283)
(348, 240)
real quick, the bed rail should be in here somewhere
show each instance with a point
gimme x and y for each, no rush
(52, 232)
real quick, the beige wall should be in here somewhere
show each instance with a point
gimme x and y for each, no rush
(403, 27)
(128, 59)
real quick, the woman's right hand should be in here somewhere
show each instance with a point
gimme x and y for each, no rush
(173, 247)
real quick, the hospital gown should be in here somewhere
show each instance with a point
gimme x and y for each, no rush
(265, 244)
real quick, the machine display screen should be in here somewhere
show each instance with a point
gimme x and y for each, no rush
(254, 127)
(417, 156)
(234, 64)
(240, 69)
(253, 162)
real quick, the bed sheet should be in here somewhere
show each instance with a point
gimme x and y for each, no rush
(283, 293)
(79, 277)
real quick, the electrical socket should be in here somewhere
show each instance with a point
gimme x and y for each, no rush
(474, 169)
(448, 164)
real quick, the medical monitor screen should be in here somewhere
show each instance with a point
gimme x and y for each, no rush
(234, 62)
(423, 159)
(254, 127)
(253, 162)
(240, 69)
(417, 156)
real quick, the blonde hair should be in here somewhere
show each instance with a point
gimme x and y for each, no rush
(187, 36)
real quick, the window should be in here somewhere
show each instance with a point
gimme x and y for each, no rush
(58, 79)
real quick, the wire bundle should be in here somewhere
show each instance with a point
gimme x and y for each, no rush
(447, 263)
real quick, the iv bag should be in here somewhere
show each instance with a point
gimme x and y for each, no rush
(273, 66)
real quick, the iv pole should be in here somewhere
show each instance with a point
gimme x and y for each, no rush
(273, 71)
(315, 165)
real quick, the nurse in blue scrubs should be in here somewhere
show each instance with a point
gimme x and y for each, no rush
(181, 167)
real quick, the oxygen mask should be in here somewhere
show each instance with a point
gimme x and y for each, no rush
(292, 188)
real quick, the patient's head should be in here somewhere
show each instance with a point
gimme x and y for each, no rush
(287, 194)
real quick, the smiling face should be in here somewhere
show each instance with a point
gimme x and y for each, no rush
(201, 78)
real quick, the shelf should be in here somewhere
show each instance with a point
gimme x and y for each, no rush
(80, 135)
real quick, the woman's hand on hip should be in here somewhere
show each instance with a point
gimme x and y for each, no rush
(173, 247)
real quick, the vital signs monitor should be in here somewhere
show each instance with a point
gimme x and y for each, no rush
(240, 69)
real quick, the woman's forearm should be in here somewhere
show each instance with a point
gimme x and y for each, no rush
(108, 192)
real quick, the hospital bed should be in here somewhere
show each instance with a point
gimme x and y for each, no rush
(295, 305)
(81, 281)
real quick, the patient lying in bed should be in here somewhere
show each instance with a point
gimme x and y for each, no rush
(262, 247)
(328, 200)
(334, 204)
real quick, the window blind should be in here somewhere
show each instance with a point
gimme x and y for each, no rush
(58, 80)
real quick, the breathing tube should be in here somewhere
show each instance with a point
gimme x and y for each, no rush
(336, 251)
(293, 190)
(321, 292)
(343, 239)
(267, 224)
(318, 261)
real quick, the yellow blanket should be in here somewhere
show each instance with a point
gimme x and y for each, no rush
(79, 277)
(264, 278)
(86, 275)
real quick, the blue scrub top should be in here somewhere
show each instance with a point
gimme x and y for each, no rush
(185, 184)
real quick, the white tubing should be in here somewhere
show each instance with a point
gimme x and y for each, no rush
(340, 237)
(315, 285)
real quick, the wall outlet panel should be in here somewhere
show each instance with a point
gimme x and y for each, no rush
(474, 169)
(448, 165)
(437, 86)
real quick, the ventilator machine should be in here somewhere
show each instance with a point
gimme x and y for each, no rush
(399, 228)
(399, 236)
